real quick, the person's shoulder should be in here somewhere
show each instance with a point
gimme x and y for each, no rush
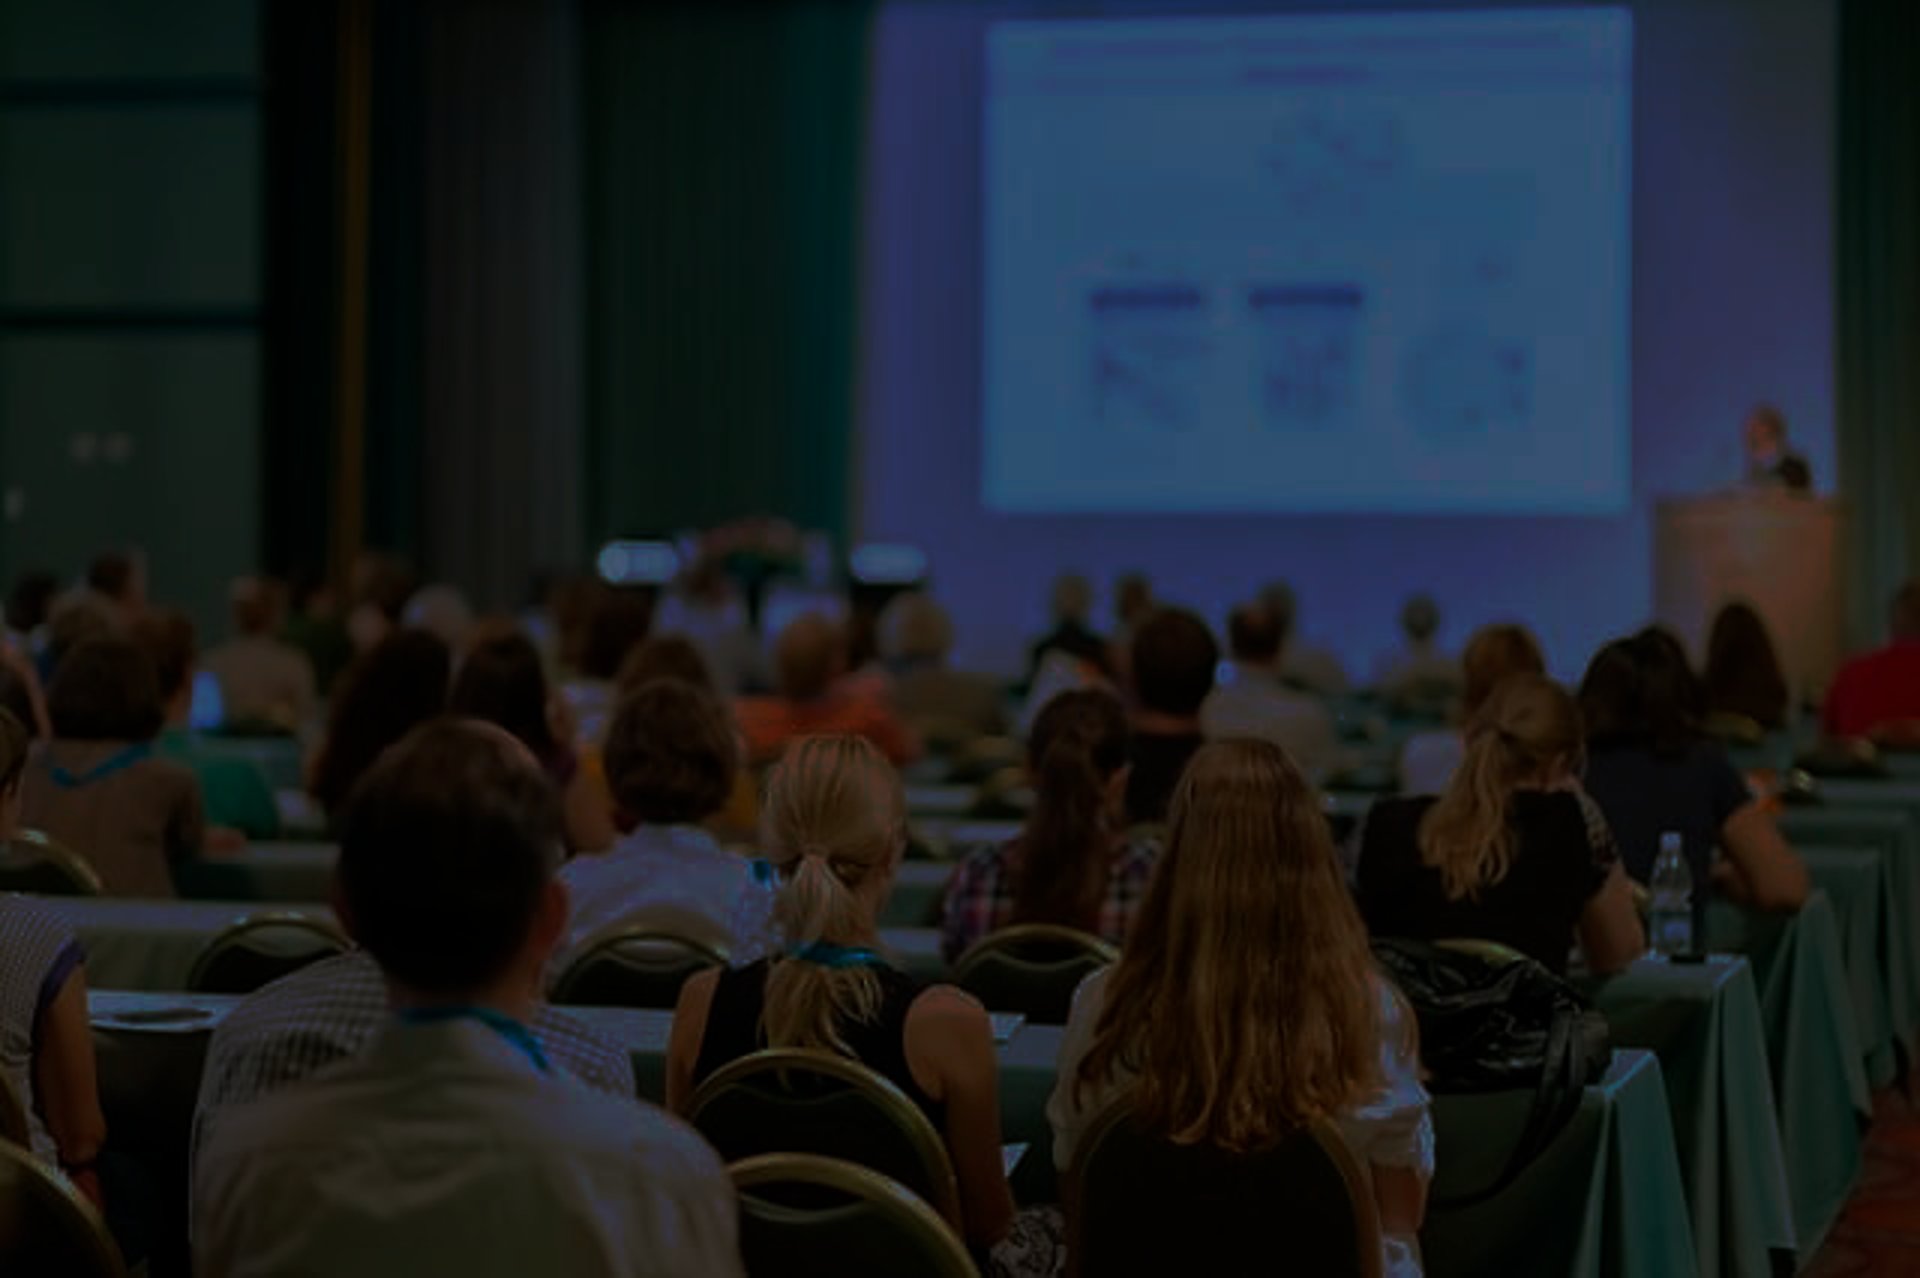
(947, 1010)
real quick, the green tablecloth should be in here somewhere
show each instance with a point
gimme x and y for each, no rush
(1820, 1084)
(262, 872)
(280, 759)
(1703, 1021)
(1859, 884)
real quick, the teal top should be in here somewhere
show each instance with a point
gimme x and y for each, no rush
(236, 792)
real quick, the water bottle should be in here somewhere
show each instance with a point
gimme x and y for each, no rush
(1671, 918)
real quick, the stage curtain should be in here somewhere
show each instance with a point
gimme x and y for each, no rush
(1878, 278)
(722, 160)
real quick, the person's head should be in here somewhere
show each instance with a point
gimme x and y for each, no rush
(1743, 674)
(1172, 659)
(1420, 619)
(808, 656)
(1526, 737)
(1133, 598)
(616, 626)
(382, 582)
(665, 657)
(1904, 614)
(1077, 763)
(30, 600)
(1493, 655)
(1071, 598)
(258, 606)
(120, 577)
(1641, 693)
(168, 636)
(915, 629)
(444, 611)
(386, 693)
(77, 617)
(1280, 600)
(1765, 432)
(833, 824)
(502, 681)
(106, 690)
(448, 848)
(1244, 1002)
(1254, 636)
(672, 754)
(15, 741)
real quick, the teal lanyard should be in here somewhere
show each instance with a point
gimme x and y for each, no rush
(118, 761)
(505, 1026)
(827, 954)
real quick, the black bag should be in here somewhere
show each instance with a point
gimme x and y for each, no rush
(1488, 1025)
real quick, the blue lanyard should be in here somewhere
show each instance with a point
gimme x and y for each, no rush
(505, 1026)
(118, 761)
(827, 954)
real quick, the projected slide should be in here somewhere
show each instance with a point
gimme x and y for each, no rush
(1307, 263)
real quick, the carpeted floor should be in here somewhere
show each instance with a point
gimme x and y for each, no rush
(1878, 1235)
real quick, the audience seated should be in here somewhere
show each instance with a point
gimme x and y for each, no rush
(671, 758)
(916, 638)
(1073, 863)
(315, 629)
(99, 787)
(1743, 676)
(1652, 771)
(46, 1044)
(239, 801)
(1246, 1002)
(707, 610)
(1511, 851)
(814, 695)
(1307, 666)
(387, 693)
(1877, 694)
(503, 681)
(20, 692)
(265, 683)
(1255, 703)
(1428, 760)
(442, 611)
(450, 1142)
(1418, 673)
(1071, 606)
(119, 579)
(617, 622)
(78, 615)
(1171, 662)
(29, 604)
(835, 828)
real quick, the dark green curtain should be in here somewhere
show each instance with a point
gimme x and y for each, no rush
(1878, 273)
(722, 154)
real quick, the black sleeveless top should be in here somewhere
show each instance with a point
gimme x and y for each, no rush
(733, 1030)
(1562, 858)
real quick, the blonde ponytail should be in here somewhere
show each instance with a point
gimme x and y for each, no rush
(833, 820)
(1527, 725)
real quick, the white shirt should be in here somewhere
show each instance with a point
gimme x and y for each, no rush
(1393, 1129)
(446, 1150)
(675, 878)
(1255, 704)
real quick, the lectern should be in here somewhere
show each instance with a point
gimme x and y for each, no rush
(1776, 551)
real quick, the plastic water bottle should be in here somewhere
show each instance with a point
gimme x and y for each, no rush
(1671, 917)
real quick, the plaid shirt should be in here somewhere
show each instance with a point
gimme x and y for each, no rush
(331, 1010)
(979, 896)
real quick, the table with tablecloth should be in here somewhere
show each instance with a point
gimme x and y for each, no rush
(151, 945)
(1603, 1200)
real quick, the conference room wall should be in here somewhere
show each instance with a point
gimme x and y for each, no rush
(1732, 303)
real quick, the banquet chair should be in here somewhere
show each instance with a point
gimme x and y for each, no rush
(1031, 968)
(46, 1227)
(260, 949)
(634, 967)
(44, 866)
(789, 1100)
(13, 1116)
(1139, 1203)
(1007, 795)
(1491, 951)
(806, 1216)
(1733, 729)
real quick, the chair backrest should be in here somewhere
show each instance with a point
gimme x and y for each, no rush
(635, 967)
(1137, 1203)
(1031, 968)
(787, 1100)
(14, 1129)
(46, 1227)
(808, 1216)
(260, 949)
(44, 866)
(1007, 795)
(1491, 951)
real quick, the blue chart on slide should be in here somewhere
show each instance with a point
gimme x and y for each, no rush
(1372, 262)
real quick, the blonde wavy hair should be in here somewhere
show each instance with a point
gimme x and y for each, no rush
(833, 823)
(1528, 728)
(1245, 1003)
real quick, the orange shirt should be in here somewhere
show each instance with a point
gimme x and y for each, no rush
(768, 723)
